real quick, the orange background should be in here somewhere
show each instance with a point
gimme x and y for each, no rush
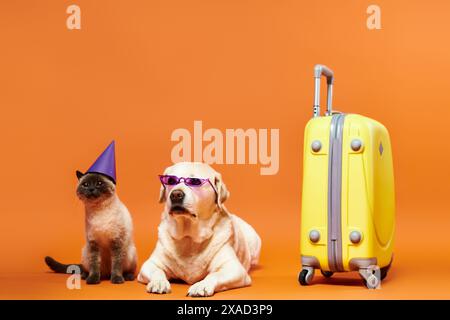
(137, 70)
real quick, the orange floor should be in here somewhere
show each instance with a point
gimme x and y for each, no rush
(274, 279)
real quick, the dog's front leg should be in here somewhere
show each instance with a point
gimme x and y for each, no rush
(154, 277)
(226, 272)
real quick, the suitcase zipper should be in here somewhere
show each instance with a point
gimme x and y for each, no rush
(334, 193)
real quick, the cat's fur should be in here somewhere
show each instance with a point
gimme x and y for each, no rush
(109, 249)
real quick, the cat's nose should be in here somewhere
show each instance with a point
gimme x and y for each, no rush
(177, 196)
(91, 189)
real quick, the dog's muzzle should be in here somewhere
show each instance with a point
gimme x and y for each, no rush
(176, 210)
(177, 196)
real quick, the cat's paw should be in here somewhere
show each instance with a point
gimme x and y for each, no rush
(117, 279)
(159, 286)
(129, 276)
(93, 278)
(204, 288)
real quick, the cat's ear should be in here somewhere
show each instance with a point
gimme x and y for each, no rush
(79, 174)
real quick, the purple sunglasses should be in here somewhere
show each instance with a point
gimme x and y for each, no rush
(169, 180)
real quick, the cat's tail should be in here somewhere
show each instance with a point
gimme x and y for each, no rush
(57, 266)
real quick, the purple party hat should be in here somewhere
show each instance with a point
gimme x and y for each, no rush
(106, 163)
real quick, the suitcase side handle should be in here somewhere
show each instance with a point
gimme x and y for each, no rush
(319, 71)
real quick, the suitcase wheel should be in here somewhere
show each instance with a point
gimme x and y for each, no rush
(327, 274)
(370, 277)
(371, 282)
(305, 276)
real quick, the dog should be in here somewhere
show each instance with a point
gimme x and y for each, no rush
(199, 240)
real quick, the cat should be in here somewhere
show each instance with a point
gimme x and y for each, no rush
(109, 251)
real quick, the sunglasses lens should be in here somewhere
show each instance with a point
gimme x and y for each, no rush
(194, 182)
(169, 180)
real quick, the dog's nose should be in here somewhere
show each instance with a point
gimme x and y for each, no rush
(177, 196)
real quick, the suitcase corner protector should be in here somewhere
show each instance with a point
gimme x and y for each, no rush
(310, 261)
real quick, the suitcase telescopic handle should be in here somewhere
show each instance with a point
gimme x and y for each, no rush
(319, 71)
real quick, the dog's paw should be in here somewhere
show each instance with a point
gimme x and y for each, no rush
(159, 286)
(202, 288)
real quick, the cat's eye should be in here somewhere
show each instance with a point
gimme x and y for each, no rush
(99, 183)
(85, 184)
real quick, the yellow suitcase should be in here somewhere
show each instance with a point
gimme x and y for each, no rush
(348, 200)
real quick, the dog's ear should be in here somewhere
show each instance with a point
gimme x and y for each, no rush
(162, 194)
(162, 190)
(222, 191)
(79, 174)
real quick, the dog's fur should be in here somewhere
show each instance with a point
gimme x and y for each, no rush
(109, 249)
(202, 243)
